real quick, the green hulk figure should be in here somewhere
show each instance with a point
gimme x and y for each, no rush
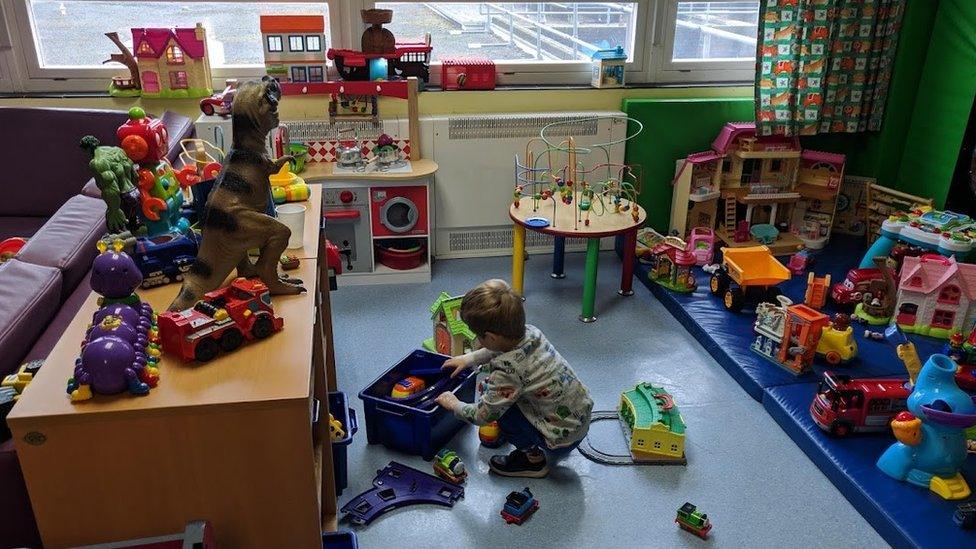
(117, 178)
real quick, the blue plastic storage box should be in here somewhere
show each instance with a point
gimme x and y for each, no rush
(420, 428)
(339, 540)
(339, 408)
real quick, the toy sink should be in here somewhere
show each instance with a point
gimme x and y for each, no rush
(414, 425)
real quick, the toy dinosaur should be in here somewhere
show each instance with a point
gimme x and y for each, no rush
(234, 219)
(116, 176)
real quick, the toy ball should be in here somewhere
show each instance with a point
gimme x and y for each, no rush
(537, 196)
(546, 195)
(560, 182)
(115, 274)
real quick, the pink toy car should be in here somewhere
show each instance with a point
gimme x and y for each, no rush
(702, 245)
(220, 102)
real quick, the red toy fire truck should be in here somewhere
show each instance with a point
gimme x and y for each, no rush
(220, 322)
(843, 405)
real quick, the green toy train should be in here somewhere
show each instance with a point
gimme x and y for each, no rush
(691, 519)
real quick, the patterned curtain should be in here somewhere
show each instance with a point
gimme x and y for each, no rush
(824, 65)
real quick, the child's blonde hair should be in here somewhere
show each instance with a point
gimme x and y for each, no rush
(493, 306)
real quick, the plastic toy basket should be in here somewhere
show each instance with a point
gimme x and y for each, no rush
(339, 540)
(339, 407)
(417, 426)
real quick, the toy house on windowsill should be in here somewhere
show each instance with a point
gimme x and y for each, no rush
(757, 190)
(936, 296)
(173, 63)
(294, 47)
(452, 336)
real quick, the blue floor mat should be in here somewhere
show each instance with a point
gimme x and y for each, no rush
(906, 516)
(727, 336)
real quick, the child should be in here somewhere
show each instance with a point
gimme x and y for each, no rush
(541, 407)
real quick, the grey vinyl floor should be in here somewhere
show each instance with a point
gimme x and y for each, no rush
(757, 487)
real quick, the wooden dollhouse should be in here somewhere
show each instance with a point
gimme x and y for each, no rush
(751, 188)
(451, 335)
(173, 63)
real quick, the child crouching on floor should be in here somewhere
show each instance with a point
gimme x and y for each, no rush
(541, 406)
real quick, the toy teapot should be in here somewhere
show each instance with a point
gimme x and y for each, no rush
(349, 155)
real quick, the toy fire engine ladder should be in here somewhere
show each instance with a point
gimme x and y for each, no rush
(730, 214)
(816, 294)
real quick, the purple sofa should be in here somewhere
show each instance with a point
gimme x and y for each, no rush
(59, 208)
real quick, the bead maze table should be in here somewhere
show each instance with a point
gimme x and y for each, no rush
(556, 195)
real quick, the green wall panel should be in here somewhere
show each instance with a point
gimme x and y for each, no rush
(674, 128)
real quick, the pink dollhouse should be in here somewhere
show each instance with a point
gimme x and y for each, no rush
(936, 296)
(749, 181)
(173, 63)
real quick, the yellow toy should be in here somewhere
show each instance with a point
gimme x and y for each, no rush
(837, 343)
(336, 432)
(288, 187)
(20, 379)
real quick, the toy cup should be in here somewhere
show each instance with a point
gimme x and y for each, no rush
(293, 216)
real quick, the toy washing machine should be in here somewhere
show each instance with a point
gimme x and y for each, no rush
(399, 211)
(346, 213)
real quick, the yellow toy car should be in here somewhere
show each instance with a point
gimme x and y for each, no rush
(837, 343)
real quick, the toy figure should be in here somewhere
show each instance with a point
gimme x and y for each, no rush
(234, 220)
(931, 445)
(116, 177)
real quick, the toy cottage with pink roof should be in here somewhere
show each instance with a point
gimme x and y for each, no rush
(757, 190)
(173, 63)
(936, 296)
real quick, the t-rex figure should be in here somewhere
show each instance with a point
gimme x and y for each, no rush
(234, 219)
(117, 177)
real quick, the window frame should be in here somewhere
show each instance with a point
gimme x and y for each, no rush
(296, 38)
(280, 40)
(318, 42)
(514, 73)
(666, 71)
(36, 78)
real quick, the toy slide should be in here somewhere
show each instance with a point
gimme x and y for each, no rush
(754, 266)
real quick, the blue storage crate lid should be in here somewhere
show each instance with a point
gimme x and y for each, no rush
(614, 53)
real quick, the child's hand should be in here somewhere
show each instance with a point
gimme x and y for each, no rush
(458, 364)
(448, 401)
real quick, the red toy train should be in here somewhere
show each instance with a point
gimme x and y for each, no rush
(220, 322)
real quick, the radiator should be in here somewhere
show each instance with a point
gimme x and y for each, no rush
(474, 183)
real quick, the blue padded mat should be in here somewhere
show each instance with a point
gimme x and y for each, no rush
(904, 515)
(727, 336)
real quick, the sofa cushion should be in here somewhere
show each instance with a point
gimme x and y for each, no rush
(20, 226)
(58, 130)
(52, 332)
(29, 298)
(91, 189)
(67, 240)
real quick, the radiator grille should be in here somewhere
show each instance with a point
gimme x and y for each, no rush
(501, 239)
(322, 130)
(498, 126)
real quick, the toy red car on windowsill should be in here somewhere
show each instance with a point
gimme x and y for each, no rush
(220, 102)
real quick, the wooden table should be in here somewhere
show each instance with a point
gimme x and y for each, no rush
(563, 223)
(231, 441)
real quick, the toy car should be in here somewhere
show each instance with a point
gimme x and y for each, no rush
(449, 466)
(220, 322)
(843, 405)
(836, 342)
(692, 520)
(165, 258)
(748, 274)
(850, 291)
(965, 515)
(407, 387)
(519, 506)
(219, 103)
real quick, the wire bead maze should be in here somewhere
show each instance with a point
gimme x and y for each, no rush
(558, 172)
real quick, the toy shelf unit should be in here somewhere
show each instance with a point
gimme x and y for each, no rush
(883, 202)
(754, 189)
(381, 222)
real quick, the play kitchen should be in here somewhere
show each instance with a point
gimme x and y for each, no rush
(381, 224)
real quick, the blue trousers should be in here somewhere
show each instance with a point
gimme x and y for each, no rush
(517, 430)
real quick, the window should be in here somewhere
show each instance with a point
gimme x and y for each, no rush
(296, 43)
(950, 294)
(174, 55)
(316, 74)
(942, 318)
(177, 80)
(313, 43)
(915, 281)
(274, 43)
(299, 74)
(61, 43)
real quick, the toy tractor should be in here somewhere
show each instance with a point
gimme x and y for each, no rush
(747, 275)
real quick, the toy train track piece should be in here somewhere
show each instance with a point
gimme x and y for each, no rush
(519, 506)
(398, 485)
(591, 453)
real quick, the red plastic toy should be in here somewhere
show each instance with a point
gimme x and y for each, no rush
(10, 246)
(144, 139)
(843, 405)
(220, 102)
(851, 289)
(220, 322)
(407, 386)
(467, 73)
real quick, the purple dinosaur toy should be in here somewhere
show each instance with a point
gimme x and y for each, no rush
(121, 350)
